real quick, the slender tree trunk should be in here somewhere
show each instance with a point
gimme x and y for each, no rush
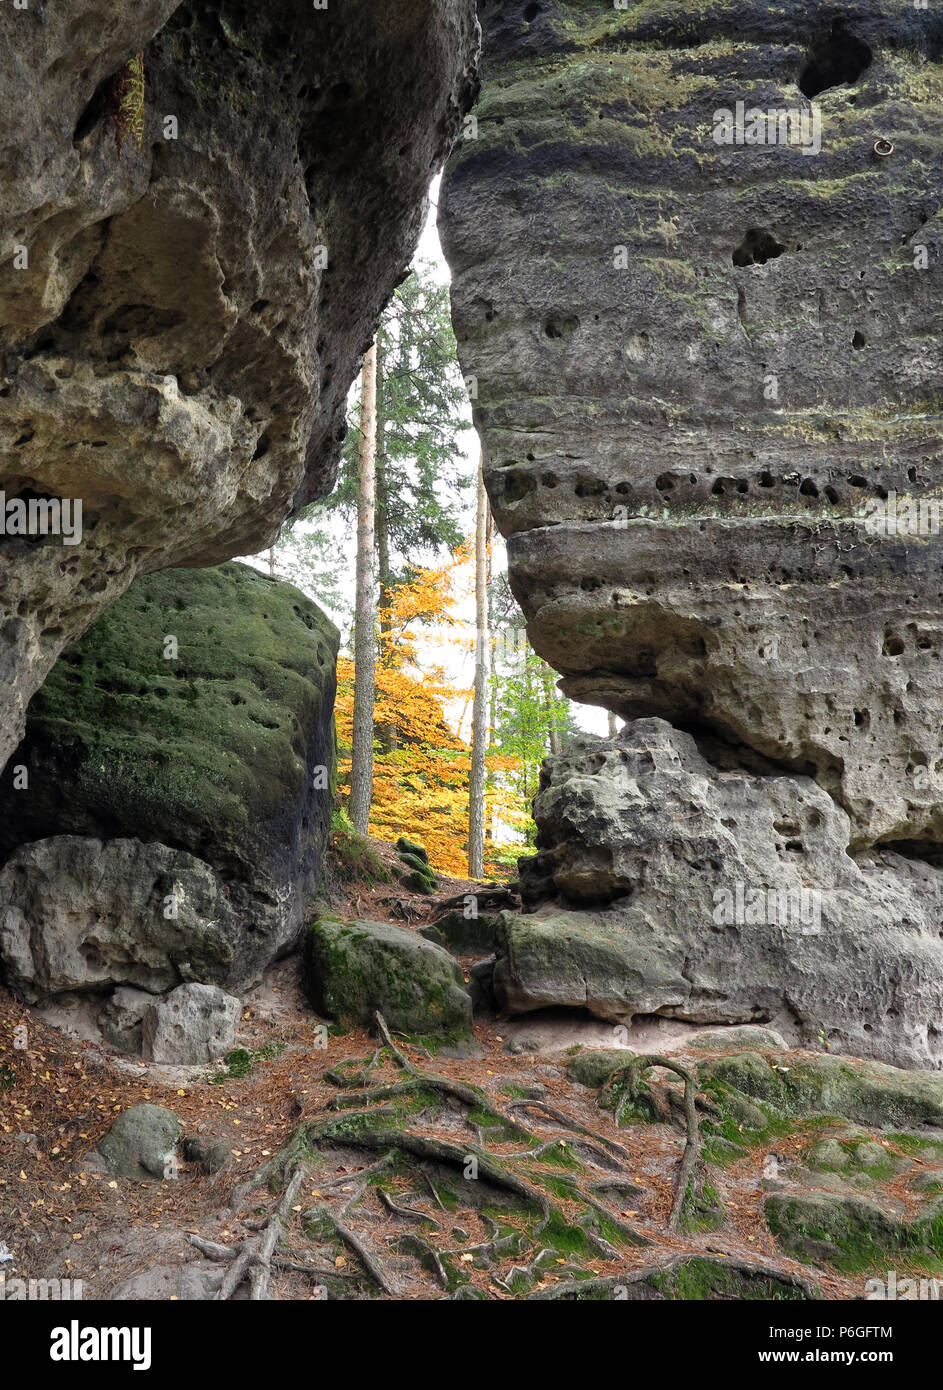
(387, 735)
(365, 652)
(550, 701)
(613, 725)
(271, 561)
(383, 497)
(476, 790)
(492, 684)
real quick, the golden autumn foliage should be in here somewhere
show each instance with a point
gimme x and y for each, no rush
(421, 766)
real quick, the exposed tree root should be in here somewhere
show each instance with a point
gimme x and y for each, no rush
(407, 1213)
(369, 1261)
(559, 1181)
(631, 1078)
(640, 1275)
(559, 1118)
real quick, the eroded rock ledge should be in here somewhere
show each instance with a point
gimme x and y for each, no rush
(178, 349)
(699, 366)
(665, 885)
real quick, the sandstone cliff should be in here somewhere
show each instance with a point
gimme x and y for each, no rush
(180, 320)
(701, 366)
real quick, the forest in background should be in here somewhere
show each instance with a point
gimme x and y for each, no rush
(460, 710)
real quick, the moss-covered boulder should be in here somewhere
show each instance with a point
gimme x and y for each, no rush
(417, 876)
(412, 847)
(866, 1092)
(595, 1068)
(353, 969)
(850, 1232)
(195, 717)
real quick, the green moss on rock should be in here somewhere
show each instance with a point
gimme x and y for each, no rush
(353, 969)
(195, 712)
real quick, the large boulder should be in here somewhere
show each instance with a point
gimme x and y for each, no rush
(181, 317)
(664, 884)
(353, 969)
(178, 781)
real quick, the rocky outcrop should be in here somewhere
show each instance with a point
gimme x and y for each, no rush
(181, 318)
(163, 820)
(705, 371)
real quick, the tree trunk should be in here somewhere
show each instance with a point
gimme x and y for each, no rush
(492, 686)
(555, 742)
(387, 735)
(365, 651)
(476, 790)
(383, 498)
(271, 561)
(613, 725)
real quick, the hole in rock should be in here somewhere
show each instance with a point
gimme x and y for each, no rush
(836, 62)
(530, 13)
(757, 247)
(560, 325)
(859, 340)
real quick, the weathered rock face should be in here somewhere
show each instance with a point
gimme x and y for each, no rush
(720, 897)
(190, 1025)
(178, 764)
(701, 367)
(679, 432)
(180, 322)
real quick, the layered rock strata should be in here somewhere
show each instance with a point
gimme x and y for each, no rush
(707, 381)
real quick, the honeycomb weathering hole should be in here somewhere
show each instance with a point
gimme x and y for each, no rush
(838, 61)
(757, 247)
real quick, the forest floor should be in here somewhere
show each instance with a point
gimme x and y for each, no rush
(563, 1192)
